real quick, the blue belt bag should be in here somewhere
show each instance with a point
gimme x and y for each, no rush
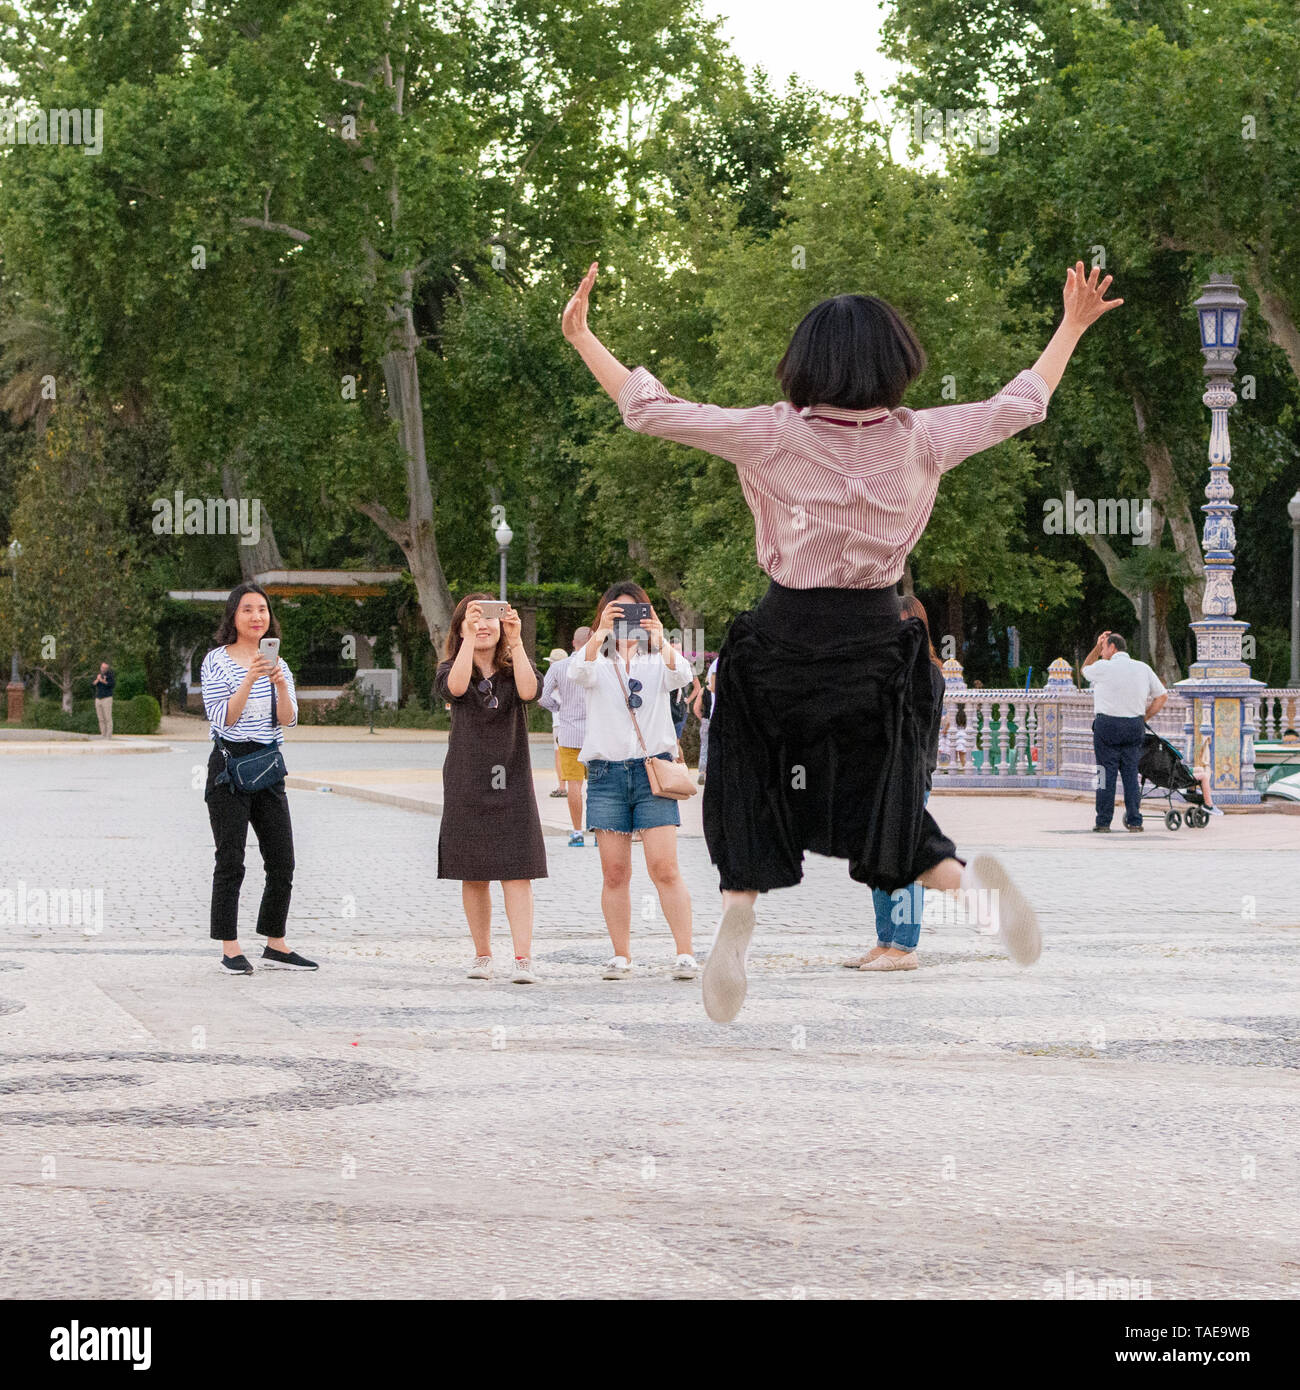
(253, 772)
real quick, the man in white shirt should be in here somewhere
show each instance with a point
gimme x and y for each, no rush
(1126, 693)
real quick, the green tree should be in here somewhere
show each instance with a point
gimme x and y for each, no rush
(79, 597)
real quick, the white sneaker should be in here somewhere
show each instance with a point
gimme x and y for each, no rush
(481, 969)
(1010, 913)
(616, 968)
(523, 972)
(723, 981)
(685, 968)
(1214, 810)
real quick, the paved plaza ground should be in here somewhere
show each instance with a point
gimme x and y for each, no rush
(1123, 1111)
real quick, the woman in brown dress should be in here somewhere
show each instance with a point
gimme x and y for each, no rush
(490, 826)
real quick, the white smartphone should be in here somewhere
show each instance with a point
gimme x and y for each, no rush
(269, 647)
(492, 607)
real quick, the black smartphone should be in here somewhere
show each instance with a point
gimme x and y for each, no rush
(629, 625)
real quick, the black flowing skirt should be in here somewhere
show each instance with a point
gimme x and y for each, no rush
(818, 742)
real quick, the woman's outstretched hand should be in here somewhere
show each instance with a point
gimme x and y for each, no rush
(574, 319)
(1084, 297)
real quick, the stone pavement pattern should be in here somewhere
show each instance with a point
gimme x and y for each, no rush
(1125, 1109)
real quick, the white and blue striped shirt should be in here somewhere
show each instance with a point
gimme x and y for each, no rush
(221, 676)
(567, 701)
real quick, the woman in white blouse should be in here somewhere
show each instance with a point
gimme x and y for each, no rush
(623, 681)
(818, 740)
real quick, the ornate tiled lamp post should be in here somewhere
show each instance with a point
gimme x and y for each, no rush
(1222, 698)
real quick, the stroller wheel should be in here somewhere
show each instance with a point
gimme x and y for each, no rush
(1172, 820)
(1202, 818)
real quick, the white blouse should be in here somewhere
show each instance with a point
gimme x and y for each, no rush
(610, 736)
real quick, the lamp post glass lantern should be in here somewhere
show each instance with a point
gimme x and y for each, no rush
(504, 536)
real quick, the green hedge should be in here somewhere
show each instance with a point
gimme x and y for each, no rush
(139, 715)
(349, 709)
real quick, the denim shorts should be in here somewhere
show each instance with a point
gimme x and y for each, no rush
(619, 797)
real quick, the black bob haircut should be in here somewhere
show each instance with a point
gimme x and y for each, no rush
(853, 351)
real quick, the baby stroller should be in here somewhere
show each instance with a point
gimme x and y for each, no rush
(1162, 766)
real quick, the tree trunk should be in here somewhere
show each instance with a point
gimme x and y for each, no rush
(265, 555)
(1169, 497)
(668, 582)
(954, 622)
(65, 687)
(416, 534)
(1275, 312)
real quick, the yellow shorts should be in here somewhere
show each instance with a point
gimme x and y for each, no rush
(571, 770)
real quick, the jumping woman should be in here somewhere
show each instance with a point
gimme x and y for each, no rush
(819, 737)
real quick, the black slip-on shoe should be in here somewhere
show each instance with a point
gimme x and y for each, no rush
(236, 965)
(287, 960)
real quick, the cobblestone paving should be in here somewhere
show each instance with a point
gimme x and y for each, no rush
(1125, 1109)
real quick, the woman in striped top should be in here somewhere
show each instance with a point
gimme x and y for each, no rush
(248, 702)
(816, 742)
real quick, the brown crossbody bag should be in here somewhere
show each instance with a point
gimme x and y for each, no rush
(667, 779)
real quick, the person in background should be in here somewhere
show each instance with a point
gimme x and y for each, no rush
(679, 705)
(567, 702)
(490, 826)
(556, 654)
(1126, 693)
(103, 685)
(1204, 776)
(898, 914)
(249, 703)
(703, 707)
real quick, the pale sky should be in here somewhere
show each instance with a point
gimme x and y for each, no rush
(823, 41)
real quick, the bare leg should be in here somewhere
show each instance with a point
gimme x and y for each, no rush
(615, 895)
(477, 901)
(519, 912)
(661, 864)
(945, 876)
(1207, 795)
(575, 803)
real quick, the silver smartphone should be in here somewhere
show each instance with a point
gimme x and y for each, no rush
(492, 607)
(269, 647)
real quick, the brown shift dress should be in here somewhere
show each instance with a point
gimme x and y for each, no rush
(490, 826)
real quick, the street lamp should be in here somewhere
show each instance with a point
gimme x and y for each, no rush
(1293, 511)
(1222, 697)
(504, 536)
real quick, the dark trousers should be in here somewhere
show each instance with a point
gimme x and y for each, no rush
(230, 814)
(1117, 745)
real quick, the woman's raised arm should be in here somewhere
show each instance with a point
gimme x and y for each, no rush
(1084, 305)
(605, 367)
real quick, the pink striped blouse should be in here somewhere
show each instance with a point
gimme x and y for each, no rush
(839, 496)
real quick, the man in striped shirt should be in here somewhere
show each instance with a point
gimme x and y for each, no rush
(567, 700)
